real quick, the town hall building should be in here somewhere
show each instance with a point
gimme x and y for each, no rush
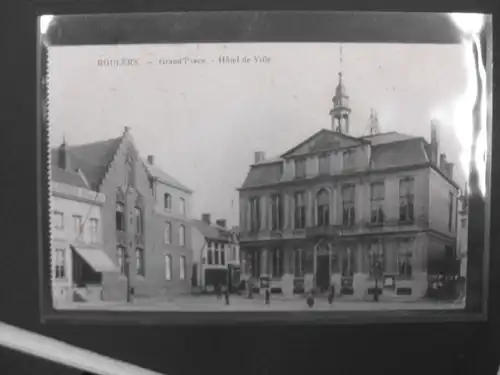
(342, 210)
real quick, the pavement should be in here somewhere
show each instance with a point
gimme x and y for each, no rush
(243, 303)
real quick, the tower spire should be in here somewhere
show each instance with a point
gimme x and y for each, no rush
(373, 123)
(341, 110)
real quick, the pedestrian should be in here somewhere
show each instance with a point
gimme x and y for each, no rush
(226, 295)
(310, 299)
(250, 289)
(268, 296)
(331, 295)
(218, 291)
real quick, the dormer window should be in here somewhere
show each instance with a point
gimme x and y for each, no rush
(300, 168)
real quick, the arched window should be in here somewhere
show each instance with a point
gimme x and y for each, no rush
(138, 220)
(323, 208)
(120, 216)
(182, 235)
(168, 233)
(168, 267)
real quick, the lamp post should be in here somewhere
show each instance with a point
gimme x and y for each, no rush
(377, 271)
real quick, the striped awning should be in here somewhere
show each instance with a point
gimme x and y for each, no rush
(97, 259)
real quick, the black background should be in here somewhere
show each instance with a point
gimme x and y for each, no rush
(443, 348)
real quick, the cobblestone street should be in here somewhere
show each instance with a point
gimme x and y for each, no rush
(240, 303)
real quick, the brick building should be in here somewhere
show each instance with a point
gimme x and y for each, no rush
(171, 229)
(131, 229)
(333, 207)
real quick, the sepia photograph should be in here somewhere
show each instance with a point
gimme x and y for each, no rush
(253, 177)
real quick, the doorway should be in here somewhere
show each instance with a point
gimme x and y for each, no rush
(322, 273)
(194, 277)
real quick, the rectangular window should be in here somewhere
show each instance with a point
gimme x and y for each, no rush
(406, 197)
(377, 196)
(276, 212)
(120, 216)
(216, 253)
(299, 262)
(324, 164)
(254, 263)
(167, 201)
(168, 233)
(168, 267)
(347, 159)
(60, 264)
(210, 251)
(254, 214)
(94, 230)
(182, 206)
(277, 262)
(300, 211)
(121, 257)
(182, 235)
(300, 168)
(140, 262)
(223, 255)
(182, 268)
(77, 226)
(58, 220)
(450, 211)
(323, 208)
(348, 205)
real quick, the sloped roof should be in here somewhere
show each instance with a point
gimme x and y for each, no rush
(67, 177)
(92, 158)
(399, 154)
(212, 232)
(407, 152)
(262, 174)
(387, 137)
(164, 177)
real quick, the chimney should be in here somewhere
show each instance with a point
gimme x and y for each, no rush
(259, 156)
(63, 157)
(151, 159)
(221, 223)
(206, 218)
(434, 142)
(442, 162)
(449, 170)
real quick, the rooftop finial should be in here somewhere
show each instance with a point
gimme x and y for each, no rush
(64, 139)
(341, 59)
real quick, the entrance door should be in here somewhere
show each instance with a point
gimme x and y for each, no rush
(194, 277)
(322, 273)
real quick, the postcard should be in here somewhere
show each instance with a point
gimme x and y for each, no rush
(259, 176)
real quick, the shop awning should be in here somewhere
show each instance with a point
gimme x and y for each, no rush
(97, 259)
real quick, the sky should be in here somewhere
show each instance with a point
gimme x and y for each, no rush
(203, 122)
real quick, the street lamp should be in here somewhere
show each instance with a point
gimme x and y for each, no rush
(377, 270)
